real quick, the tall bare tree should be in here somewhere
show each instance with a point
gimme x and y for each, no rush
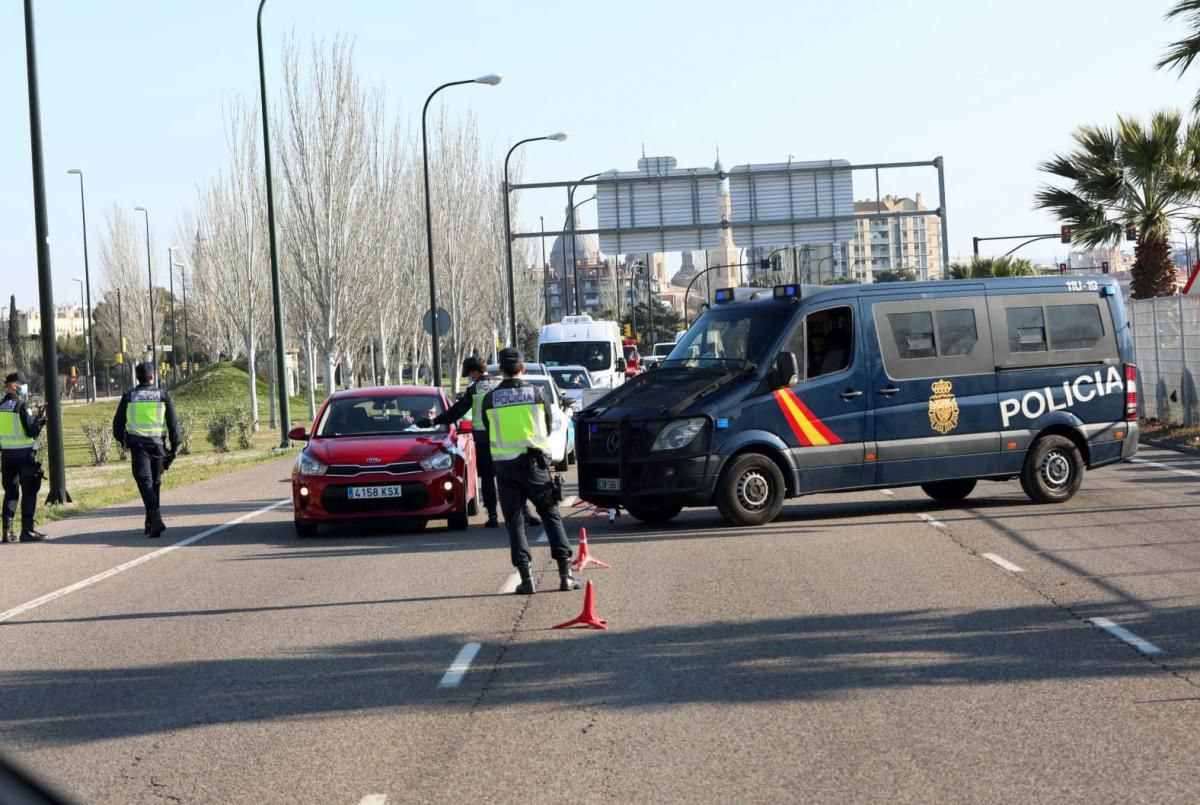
(123, 266)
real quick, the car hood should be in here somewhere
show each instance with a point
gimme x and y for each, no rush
(388, 449)
(667, 392)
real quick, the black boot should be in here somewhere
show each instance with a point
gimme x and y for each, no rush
(29, 533)
(157, 527)
(492, 522)
(526, 585)
(9, 534)
(146, 527)
(566, 579)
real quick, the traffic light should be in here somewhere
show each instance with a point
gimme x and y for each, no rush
(1065, 233)
(628, 329)
(1104, 266)
(120, 358)
(1130, 232)
(74, 371)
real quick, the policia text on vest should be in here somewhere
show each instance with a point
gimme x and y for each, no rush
(518, 418)
(144, 418)
(19, 467)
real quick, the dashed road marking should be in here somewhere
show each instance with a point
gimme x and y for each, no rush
(887, 492)
(458, 669)
(1167, 467)
(99, 577)
(1004, 563)
(373, 799)
(1121, 633)
(933, 521)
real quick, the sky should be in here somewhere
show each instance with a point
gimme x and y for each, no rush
(132, 93)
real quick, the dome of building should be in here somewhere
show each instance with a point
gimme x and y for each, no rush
(586, 249)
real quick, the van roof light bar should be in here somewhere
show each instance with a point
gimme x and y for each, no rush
(791, 292)
(724, 295)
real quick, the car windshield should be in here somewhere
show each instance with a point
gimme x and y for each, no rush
(571, 378)
(595, 356)
(734, 334)
(379, 415)
(663, 350)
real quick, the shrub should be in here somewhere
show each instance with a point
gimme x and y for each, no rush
(99, 440)
(220, 428)
(185, 434)
(245, 426)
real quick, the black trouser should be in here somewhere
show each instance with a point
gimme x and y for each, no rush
(21, 476)
(520, 479)
(487, 473)
(147, 459)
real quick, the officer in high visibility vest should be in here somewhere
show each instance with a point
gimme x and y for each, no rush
(518, 417)
(19, 467)
(145, 417)
(469, 405)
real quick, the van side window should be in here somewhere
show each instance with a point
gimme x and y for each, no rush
(1026, 330)
(914, 334)
(830, 341)
(956, 331)
(1074, 326)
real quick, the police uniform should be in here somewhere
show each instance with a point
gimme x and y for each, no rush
(469, 406)
(19, 467)
(145, 416)
(518, 417)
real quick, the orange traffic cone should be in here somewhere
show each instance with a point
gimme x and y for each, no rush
(585, 559)
(588, 616)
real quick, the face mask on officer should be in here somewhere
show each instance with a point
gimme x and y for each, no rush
(23, 390)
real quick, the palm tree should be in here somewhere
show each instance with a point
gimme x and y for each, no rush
(1182, 53)
(1134, 175)
(982, 267)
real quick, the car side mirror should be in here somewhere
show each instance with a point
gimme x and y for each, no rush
(298, 435)
(787, 370)
(466, 426)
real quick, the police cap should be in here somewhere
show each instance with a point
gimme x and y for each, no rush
(144, 371)
(15, 377)
(510, 359)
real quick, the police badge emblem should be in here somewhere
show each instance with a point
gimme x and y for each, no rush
(943, 408)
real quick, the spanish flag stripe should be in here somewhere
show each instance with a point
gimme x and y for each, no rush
(814, 436)
(829, 435)
(792, 421)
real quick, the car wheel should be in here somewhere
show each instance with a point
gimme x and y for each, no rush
(750, 491)
(652, 512)
(473, 507)
(1053, 470)
(954, 491)
(458, 522)
(305, 529)
(571, 457)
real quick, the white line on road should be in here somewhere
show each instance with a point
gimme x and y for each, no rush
(887, 492)
(373, 799)
(933, 521)
(1167, 467)
(1121, 633)
(99, 577)
(1004, 563)
(458, 669)
(510, 584)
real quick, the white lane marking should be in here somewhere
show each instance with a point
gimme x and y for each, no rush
(933, 521)
(1167, 467)
(541, 538)
(1121, 633)
(569, 502)
(458, 669)
(373, 799)
(887, 492)
(1004, 563)
(99, 577)
(510, 584)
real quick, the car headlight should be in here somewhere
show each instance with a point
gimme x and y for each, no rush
(309, 465)
(556, 423)
(438, 461)
(678, 434)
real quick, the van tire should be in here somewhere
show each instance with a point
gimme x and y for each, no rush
(1053, 470)
(653, 513)
(949, 492)
(750, 491)
(561, 466)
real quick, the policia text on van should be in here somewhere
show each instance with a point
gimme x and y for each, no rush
(782, 392)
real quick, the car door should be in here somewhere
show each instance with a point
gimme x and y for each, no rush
(826, 413)
(933, 389)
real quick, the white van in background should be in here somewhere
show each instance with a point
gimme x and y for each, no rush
(581, 341)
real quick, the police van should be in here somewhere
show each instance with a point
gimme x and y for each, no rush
(780, 392)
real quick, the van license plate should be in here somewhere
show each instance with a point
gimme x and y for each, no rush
(608, 484)
(372, 492)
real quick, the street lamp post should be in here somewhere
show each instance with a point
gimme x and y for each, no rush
(545, 273)
(150, 272)
(171, 287)
(87, 333)
(87, 280)
(574, 255)
(187, 344)
(492, 80)
(557, 137)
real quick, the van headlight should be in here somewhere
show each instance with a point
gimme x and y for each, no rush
(309, 465)
(557, 423)
(438, 461)
(678, 434)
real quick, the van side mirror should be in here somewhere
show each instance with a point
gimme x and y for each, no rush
(298, 434)
(620, 365)
(787, 370)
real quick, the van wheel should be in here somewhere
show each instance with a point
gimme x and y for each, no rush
(571, 457)
(652, 512)
(949, 491)
(561, 466)
(1053, 470)
(305, 529)
(750, 491)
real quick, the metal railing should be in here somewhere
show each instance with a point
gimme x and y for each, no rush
(1166, 344)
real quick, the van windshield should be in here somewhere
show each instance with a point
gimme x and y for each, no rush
(596, 356)
(738, 333)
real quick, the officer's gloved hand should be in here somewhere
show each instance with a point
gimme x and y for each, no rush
(424, 422)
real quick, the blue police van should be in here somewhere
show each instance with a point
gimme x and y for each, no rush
(780, 392)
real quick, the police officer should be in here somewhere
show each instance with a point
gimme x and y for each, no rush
(144, 417)
(19, 466)
(469, 404)
(518, 418)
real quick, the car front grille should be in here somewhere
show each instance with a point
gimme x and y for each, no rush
(352, 470)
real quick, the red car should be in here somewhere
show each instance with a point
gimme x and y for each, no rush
(367, 460)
